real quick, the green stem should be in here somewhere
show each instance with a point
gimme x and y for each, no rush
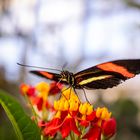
(44, 113)
(42, 138)
(72, 136)
(104, 138)
(33, 111)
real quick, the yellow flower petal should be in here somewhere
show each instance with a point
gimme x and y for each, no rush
(42, 87)
(89, 110)
(58, 114)
(66, 105)
(103, 113)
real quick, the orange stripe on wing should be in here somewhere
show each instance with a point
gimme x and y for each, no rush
(46, 74)
(116, 68)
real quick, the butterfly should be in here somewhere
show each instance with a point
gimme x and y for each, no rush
(102, 76)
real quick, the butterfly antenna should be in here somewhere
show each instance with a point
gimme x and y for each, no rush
(65, 64)
(37, 67)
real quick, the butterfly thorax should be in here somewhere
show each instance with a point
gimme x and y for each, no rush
(68, 77)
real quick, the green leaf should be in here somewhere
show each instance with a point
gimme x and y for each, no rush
(24, 127)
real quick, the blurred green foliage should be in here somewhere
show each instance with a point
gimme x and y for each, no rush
(24, 127)
(6, 128)
(126, 112)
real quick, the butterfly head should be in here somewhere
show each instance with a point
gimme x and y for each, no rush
(67, 76)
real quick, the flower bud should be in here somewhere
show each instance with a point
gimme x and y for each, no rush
(109, 128)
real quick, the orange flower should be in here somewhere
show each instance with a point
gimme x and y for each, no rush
(69, 114)
(39, 94)
(85, 110)
(64, 119)
(101, 123)
(27, 89)
(64, 126)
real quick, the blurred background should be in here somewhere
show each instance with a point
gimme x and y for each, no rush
(81, 33)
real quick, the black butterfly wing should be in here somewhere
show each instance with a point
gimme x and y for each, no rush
(51, 76)
(48, 75)
(107, 75)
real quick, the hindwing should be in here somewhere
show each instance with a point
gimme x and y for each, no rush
(107, 75)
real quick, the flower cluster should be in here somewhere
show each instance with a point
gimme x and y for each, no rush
(38, 97)
(70, 118)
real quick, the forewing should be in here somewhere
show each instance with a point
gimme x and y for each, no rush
(47, 75)
(107, 75)
(127, 68)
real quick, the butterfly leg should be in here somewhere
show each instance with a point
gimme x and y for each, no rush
(76, 93)
(58, 81)
(85, 96)
(63, 91)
